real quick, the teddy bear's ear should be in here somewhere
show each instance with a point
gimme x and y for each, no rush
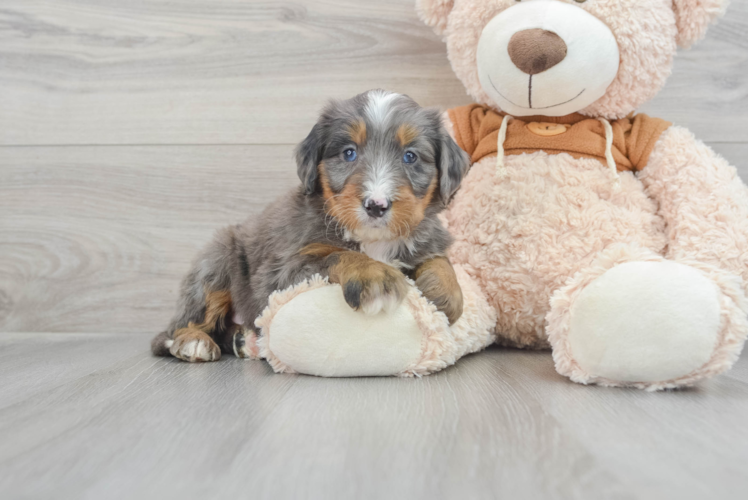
(693, 17)
(435, 13)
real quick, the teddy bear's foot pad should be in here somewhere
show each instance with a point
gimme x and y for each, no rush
(645, 322)
(322, 335)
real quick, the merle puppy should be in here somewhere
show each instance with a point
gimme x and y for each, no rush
(375, 171)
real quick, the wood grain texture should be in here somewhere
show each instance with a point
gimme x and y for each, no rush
(708, 90)
(102, 236)
(198, 72)
(97, 239)
(106, 420)
(257, 72)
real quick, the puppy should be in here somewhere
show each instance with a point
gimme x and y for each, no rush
(375, 171)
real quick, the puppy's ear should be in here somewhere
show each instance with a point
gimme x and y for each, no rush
(308, 157)
(453, 165)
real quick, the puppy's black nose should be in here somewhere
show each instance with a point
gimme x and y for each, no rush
(376, 207)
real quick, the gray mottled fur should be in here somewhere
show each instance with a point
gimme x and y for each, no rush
(261, 255)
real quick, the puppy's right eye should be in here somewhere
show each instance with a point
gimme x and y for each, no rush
(350, 155)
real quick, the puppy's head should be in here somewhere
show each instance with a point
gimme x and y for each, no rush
(381, 162)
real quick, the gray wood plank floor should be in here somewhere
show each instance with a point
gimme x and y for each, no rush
(130, 131)
(95, 416)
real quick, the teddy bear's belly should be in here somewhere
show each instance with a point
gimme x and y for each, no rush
(523, 235)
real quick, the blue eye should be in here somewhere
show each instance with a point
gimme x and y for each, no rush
(350, 155)
(409, 157)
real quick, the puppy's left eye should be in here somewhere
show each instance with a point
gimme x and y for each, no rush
(350, 155)
(409, 157)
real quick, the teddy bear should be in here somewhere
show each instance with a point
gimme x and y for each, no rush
(615, 239)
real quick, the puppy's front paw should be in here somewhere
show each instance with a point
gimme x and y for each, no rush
(368, 285)
(437, 281)
(374, 295)
(191, 344)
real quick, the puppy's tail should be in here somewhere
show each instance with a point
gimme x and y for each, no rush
(161, 343)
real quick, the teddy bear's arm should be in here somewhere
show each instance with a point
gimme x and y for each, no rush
(702, 200)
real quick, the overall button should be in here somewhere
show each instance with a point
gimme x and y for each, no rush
(546, 129)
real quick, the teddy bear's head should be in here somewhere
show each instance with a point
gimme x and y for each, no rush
(602, 58)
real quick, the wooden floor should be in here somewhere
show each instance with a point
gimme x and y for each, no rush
(95, 416)
(131, 130)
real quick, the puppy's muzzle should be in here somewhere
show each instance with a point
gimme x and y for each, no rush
(376, 207)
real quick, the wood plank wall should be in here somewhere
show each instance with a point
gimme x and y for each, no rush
(130, 131)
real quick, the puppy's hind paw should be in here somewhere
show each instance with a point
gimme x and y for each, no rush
(245, 345)
(194, 345)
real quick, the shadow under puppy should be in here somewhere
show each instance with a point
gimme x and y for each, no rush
(375, 170)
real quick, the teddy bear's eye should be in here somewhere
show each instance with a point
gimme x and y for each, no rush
(580, 1)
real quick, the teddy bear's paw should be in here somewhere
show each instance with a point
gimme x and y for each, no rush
(645, 322)
(193, 345)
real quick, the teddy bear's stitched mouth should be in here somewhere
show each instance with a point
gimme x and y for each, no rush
(529, 88)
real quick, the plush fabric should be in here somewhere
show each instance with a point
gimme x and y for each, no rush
(693, 17)
(646, 47)
(733, 324)
(528, 50)
(309, 328)
(703, 202)
(367, 346)
(476, 129)
(621, 246)
(568, 65)
(570, 255)
(674, 330)
(522, 236)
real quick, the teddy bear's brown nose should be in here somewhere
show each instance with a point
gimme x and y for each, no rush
(536, 50)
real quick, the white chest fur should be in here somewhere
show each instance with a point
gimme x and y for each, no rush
(383, 250)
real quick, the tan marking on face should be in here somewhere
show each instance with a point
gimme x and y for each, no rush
(358, 132)
(406, 134)
(344, 205)
(437, 281)
(320, 250)
(408, 210)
